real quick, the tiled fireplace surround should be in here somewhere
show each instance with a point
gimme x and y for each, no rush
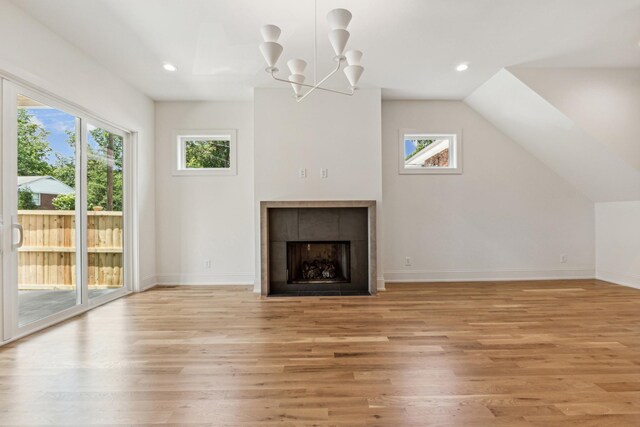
(352, 221)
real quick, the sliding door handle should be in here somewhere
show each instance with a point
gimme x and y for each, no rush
(18, 227)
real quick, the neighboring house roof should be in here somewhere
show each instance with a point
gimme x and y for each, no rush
(43, 185)
(27, 179)
(427, 152)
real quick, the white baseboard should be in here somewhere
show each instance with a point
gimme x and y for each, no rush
(407, 276)
(209, 279)
(630, 280)
(380, 283)
(148, 283)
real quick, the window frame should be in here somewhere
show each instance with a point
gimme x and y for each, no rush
(455, 153)
(37, 199)
(183, 135)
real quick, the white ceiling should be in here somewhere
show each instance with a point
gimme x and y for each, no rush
(410, 46)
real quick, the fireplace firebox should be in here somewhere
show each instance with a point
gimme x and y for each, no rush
(318, 262)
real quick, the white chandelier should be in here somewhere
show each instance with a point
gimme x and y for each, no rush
(338, 20)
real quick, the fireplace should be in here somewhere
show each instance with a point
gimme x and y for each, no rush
(310, 248)
(318, 262)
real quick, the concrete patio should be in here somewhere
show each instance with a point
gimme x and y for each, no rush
(38, 304)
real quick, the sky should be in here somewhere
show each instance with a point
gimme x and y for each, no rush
(409, 146)
(55, 122)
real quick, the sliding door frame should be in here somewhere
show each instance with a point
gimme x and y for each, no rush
(126, 203)
(10, 87)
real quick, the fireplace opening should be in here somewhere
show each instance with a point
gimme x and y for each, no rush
(318, 262)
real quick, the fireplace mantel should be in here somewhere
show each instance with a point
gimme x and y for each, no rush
(266, 207)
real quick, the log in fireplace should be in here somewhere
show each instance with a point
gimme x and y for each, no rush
(318, 262)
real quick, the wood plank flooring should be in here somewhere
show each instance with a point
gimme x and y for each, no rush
(554, 353)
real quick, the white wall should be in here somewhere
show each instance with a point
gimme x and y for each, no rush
(554, 138)
(325, 130)
(508, 216)
(618, 242)
(33, 53)
(204, 217)
(603, 101)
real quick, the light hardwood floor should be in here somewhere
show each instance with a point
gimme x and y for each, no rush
(555, 353)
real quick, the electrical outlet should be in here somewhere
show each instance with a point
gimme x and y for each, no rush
(324, 172)
(563, 258)
(407, 262)
(207, 263)
(303, 172)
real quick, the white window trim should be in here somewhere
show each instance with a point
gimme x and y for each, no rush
(456, 153)
(37, 199)
(179, 168)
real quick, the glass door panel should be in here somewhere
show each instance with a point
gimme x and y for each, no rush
(45, 221)
(105, 221)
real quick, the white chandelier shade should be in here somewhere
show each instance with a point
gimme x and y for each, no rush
(271, 52)
(338, 20)
(297, 79)
(354, 70)
(270, 33)
(339, 39)
(353, 73)
(353, 57)
(297, 66)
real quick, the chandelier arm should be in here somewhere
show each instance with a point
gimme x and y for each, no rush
(351, 92)
(289, 81)
(316, 86)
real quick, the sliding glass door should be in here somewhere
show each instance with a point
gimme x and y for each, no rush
(104, 175)
(40, 173)
(63, 199)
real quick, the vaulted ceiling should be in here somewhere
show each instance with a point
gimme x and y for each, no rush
(592, 165)
(411, 47)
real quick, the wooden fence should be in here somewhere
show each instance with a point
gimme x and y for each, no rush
(47, 258)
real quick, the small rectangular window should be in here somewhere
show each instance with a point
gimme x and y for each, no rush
(36, 199)
(206, 153)
(429, 153)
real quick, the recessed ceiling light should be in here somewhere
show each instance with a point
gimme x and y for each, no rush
(462, 67)
(169, 67)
